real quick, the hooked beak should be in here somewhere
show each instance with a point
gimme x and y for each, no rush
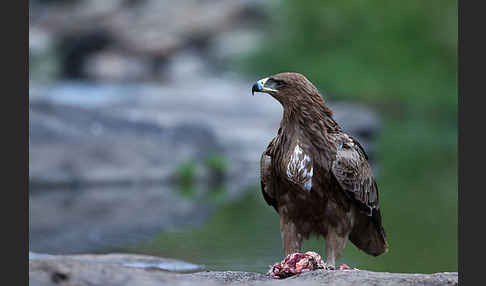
(259, 86)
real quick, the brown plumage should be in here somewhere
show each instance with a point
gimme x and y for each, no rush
(316, 176)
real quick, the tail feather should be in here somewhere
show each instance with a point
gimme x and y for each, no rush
(368, 234)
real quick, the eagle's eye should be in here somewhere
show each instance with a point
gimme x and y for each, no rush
(275, 83)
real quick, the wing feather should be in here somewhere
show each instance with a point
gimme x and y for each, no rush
(354, 174)
(266, 179)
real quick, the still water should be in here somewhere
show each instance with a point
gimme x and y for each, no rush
(245, 236)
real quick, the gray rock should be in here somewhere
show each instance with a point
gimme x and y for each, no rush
(151, 27)
(44, 63)
(117, 65)
(127, 260)
(361, 277)
(71, 145)
(113, 270)
(121, 41)
(69, 271)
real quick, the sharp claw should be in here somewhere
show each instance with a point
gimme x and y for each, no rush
(329, 267)
(346, 267)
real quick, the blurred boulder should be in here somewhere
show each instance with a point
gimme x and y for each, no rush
(126, 260)
(76, 49)
(71, 145)
(44, 63)
(141, 31)
(184, 65)
(113, 65)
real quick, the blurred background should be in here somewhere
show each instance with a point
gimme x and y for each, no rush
(144, 137)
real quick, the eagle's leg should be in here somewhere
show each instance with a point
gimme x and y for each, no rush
(335, 244)
(291, 239)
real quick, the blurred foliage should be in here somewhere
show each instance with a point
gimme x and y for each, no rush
(185, 179)
(217, 163)
(367, 50)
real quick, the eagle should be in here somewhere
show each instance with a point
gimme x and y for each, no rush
(316, 176)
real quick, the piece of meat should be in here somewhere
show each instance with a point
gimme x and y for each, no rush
(296, 263)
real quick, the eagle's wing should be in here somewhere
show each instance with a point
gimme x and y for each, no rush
(266, 178)
(353, 173)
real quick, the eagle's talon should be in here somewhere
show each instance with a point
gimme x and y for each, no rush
(329, 267)
(345, 267)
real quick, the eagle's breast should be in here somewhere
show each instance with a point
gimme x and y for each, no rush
(299, 168)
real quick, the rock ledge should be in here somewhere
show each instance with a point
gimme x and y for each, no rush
(128, 269)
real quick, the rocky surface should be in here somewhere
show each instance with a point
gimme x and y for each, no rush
(85, 145)
(126, 269)
(127, 260)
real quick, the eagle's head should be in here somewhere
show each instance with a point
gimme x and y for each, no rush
(289, 88)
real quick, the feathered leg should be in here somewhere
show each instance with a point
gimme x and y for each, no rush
(334, 246)
(291, 240)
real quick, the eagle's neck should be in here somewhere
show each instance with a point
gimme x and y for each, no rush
(308, 119)
(289, 125)
(309, 124)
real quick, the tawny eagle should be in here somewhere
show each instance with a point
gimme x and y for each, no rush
(316, 176)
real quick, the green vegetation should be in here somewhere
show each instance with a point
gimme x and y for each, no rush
(217, 166)
(185, 179)
(367, 50)
(217, 163)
